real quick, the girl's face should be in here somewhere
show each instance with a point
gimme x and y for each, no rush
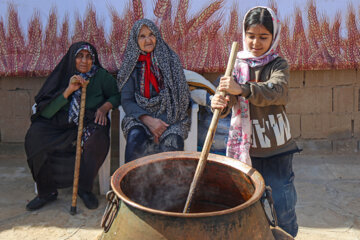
(258, 40)
(146, 40)
(83, 61)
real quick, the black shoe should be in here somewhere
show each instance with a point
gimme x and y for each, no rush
(89, 199)
(39, 202)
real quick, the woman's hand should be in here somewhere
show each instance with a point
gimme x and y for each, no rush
(156, 126)
(101, 112)
(75, 83)
(219, 102)
(228, 84)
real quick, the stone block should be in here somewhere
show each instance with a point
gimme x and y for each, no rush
(356, 99)
(318, 78)
(315, 146)
(356, 124)
(345, 146)
(14, 83)
(343, 99)
(310, 100)
(327, 125)
(15, 104)
(294, 120)
(14, 129)
(344, 77)
(21, 103)
(296, 79)
(330, 78)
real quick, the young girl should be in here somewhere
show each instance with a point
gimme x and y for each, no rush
(259, 127)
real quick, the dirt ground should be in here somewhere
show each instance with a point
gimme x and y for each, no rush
(327, 186)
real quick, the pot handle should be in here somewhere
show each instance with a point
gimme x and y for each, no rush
(268, 197)
(111, 210)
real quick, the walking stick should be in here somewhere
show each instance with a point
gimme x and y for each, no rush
(210, 134)
(78, 149)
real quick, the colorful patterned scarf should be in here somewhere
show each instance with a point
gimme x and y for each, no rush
(239, 141)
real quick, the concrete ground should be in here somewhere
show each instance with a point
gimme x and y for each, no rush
(328, 188)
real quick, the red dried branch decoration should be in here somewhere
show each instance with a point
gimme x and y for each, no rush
(314, 27)
(35, 44)
(116, 38)
(166, 25)
(15, 44)
(49, 54)
(79, 30)
(95, 34)
(3, 49)
(213, 29)
(233, 27)
(353, 37)
(336, 42)
(119, 35)
(138, 9)
(205, 15)
(166, 30)
(161, 7)
(200, 42)
(203, 52)
(299, 40)
(285, 42)
(64, 42)
(180, 19)
(332, 51)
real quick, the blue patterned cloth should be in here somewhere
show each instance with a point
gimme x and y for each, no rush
(74, 109)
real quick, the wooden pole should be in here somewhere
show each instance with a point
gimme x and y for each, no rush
(78, 150)
(210, 134)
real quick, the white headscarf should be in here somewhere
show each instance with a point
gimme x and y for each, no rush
(246, 54)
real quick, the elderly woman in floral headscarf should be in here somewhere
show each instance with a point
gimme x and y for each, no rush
(50, 140)
(154, 94)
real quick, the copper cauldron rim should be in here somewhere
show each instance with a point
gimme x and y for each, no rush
(254, 175)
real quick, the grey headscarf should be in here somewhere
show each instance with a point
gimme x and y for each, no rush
(175, 95)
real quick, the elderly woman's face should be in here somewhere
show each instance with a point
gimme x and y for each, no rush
(146, 40)
(83, 61)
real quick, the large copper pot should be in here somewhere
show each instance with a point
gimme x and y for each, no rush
(153, 191)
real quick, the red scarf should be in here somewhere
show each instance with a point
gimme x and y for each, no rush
(149, 76)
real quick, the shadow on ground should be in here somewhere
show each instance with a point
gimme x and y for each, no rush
(327, 185)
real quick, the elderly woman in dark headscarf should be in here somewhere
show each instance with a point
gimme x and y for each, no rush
(154, 94)
(51, 138)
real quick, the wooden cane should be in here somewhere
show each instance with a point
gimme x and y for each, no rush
(78, 148)
(210, 134)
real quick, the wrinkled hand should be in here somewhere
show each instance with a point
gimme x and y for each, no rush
(156, 126)
(219, 102)
(228, 84)
(75, 83)
(101, 112)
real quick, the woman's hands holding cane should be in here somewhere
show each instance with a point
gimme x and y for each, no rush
(75, 83)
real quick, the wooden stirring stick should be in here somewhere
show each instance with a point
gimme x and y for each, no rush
(210, 134)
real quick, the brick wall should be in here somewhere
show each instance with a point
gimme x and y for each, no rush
(323, 109)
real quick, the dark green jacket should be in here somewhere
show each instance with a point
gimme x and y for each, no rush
(101, 88)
